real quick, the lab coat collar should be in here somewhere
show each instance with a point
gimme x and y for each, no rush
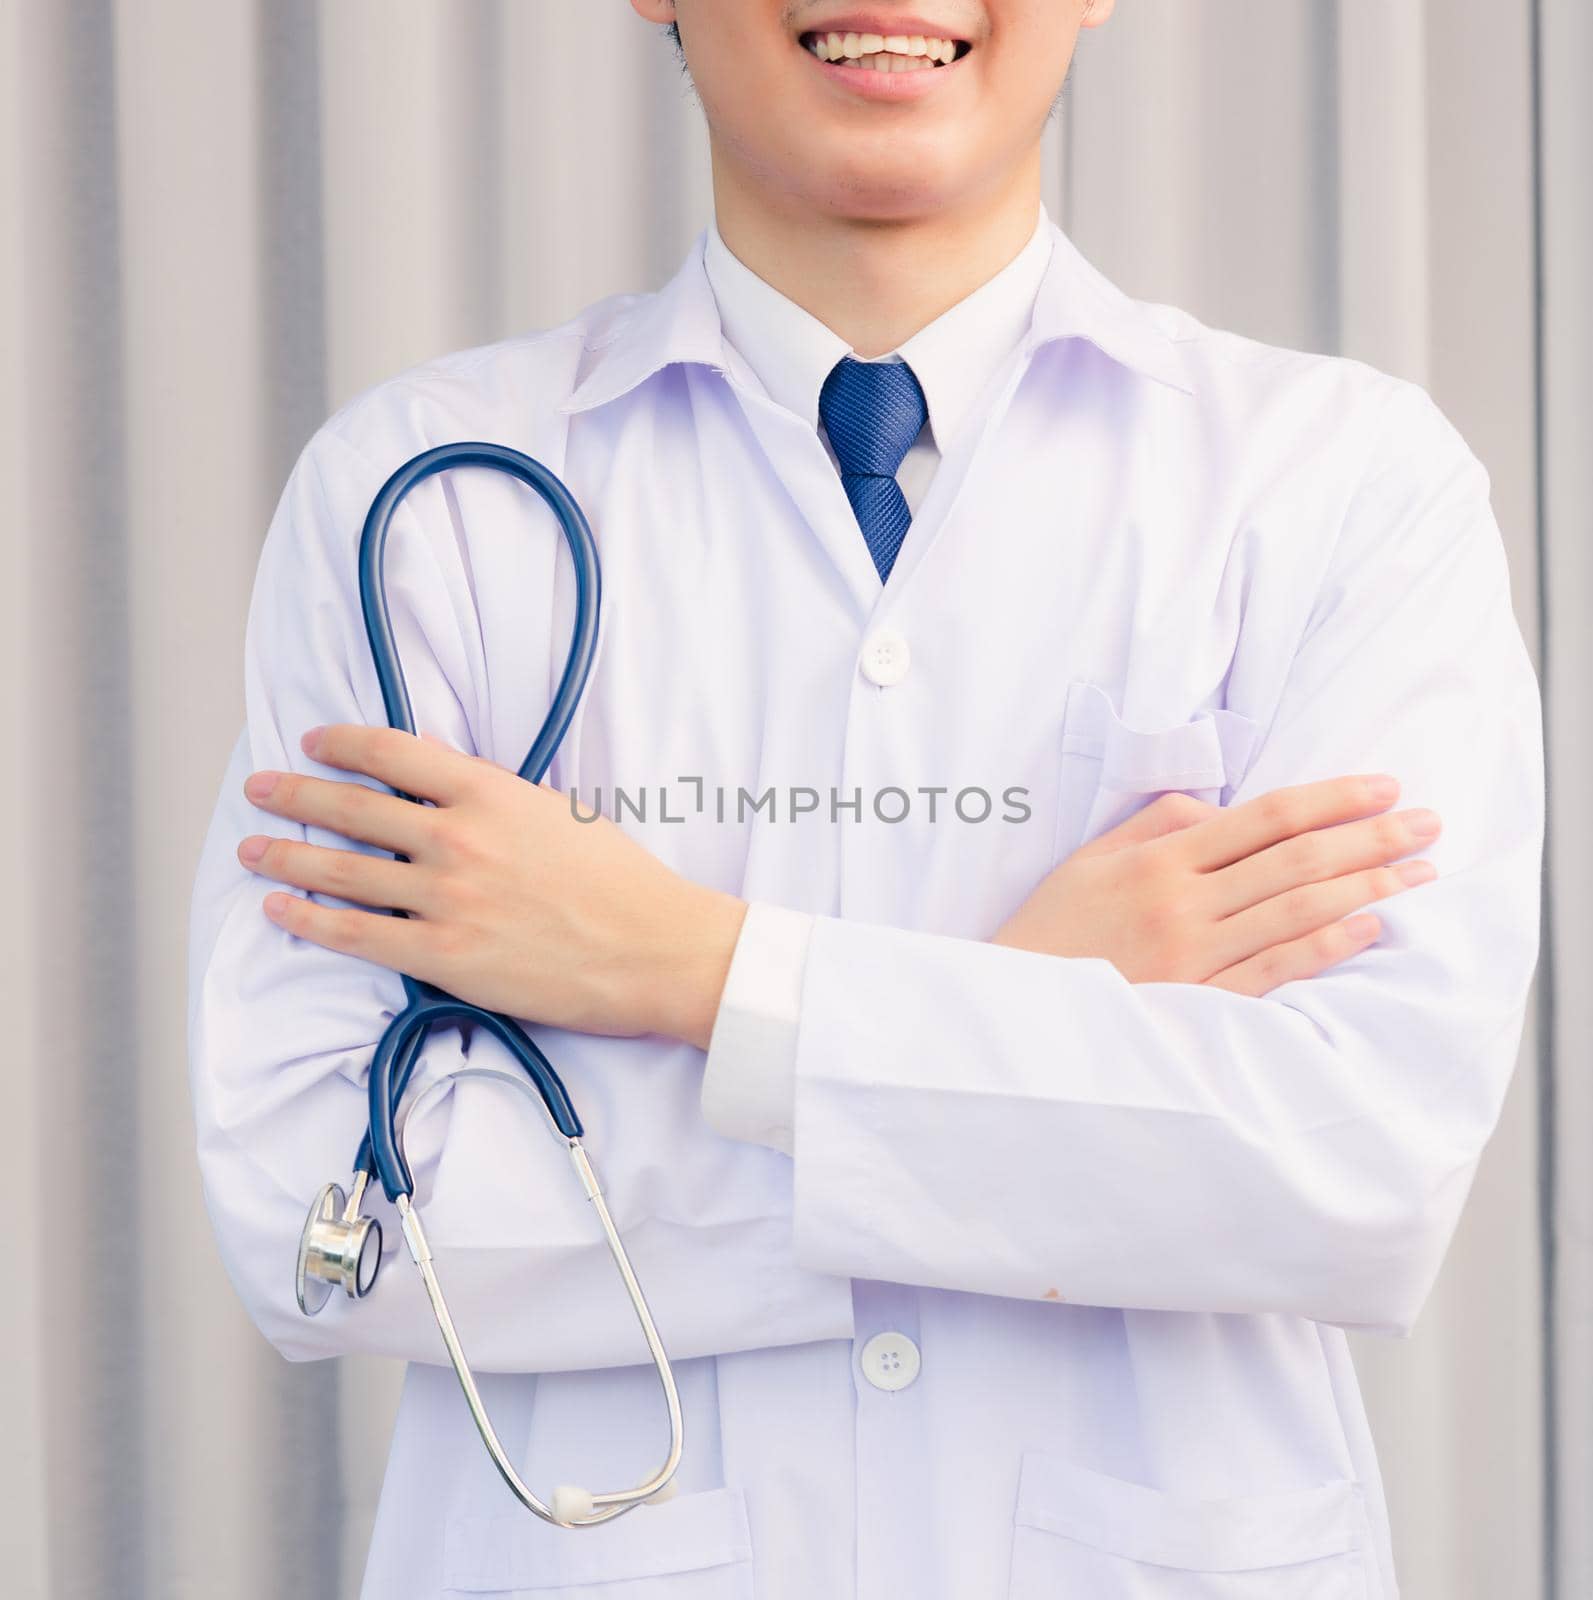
(1077, 301)
(680, 323)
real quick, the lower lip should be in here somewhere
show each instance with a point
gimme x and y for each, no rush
(872, 84)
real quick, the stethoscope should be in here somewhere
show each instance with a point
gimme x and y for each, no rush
(342, 1248)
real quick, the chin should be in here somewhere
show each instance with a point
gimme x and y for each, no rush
(886, 209)
(868, 192)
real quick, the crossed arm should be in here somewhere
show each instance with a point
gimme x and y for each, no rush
(517, 904)
(1235, 1140)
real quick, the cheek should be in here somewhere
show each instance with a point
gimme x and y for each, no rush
(1028, 73)
(750, 107)
(1031, 45)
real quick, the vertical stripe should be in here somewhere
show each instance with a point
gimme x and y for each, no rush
(1546, 1011)
(293, 284)
(1324, 140)
(95, 1353)
(305, 1454)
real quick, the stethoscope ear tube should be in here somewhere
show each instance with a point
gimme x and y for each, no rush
(588, 586)
(405, 1036)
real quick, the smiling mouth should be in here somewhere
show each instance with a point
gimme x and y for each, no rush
(873, 52)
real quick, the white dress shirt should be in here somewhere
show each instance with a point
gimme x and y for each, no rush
(749, 1082)
(1049, 1296)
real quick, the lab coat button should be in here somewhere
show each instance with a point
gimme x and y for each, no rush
(885, 658)
(890, 1361)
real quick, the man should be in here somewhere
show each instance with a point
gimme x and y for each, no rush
(1004, 1096)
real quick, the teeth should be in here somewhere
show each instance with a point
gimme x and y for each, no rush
(890, 52)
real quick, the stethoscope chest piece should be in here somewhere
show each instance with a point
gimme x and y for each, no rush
(338, 1249)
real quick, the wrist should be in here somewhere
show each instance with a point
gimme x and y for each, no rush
(692, 961)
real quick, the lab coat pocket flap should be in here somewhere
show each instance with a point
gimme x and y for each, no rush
(1206, 752)
(1241, 1534)
(690, 1536)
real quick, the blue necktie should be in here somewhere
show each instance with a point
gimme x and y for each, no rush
(872, 411)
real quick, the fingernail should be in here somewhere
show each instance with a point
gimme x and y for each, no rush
(259, 785)
(308, 741)
(275, 904)
(1414, 872)
(253, 848)
(1384, 787)
(1424, 824)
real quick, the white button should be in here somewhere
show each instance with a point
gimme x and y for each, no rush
(885, 658)
(890, 1361)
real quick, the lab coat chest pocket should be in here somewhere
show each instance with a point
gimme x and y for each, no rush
(694, 1547)
(1111, 768)
(1081, 1532)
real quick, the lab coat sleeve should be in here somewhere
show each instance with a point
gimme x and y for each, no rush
(281, 1031)
(989, 1119)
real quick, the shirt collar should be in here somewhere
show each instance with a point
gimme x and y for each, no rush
(681, 322)
(791, 352)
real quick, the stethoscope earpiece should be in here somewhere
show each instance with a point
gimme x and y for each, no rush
(338, 1248)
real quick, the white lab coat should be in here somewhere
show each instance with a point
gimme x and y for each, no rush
(1124, 1226)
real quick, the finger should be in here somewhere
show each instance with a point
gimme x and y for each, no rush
(1298, 958)
(341, 806)
(425, 768)
(1169, 813)
(1311, 907)
(397, 942)
(1314, 857)
(347, 874)
(443, 744)
(1239, 831)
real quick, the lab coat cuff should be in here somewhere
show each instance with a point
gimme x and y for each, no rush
(749, 1079)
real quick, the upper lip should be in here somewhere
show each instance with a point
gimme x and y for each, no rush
(883, 23)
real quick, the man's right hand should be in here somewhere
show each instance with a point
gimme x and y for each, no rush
(1242, 898)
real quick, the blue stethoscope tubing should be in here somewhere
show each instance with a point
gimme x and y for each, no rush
(428, 1006)
(342, 1248)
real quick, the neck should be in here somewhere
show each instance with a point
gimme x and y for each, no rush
(873, 281)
